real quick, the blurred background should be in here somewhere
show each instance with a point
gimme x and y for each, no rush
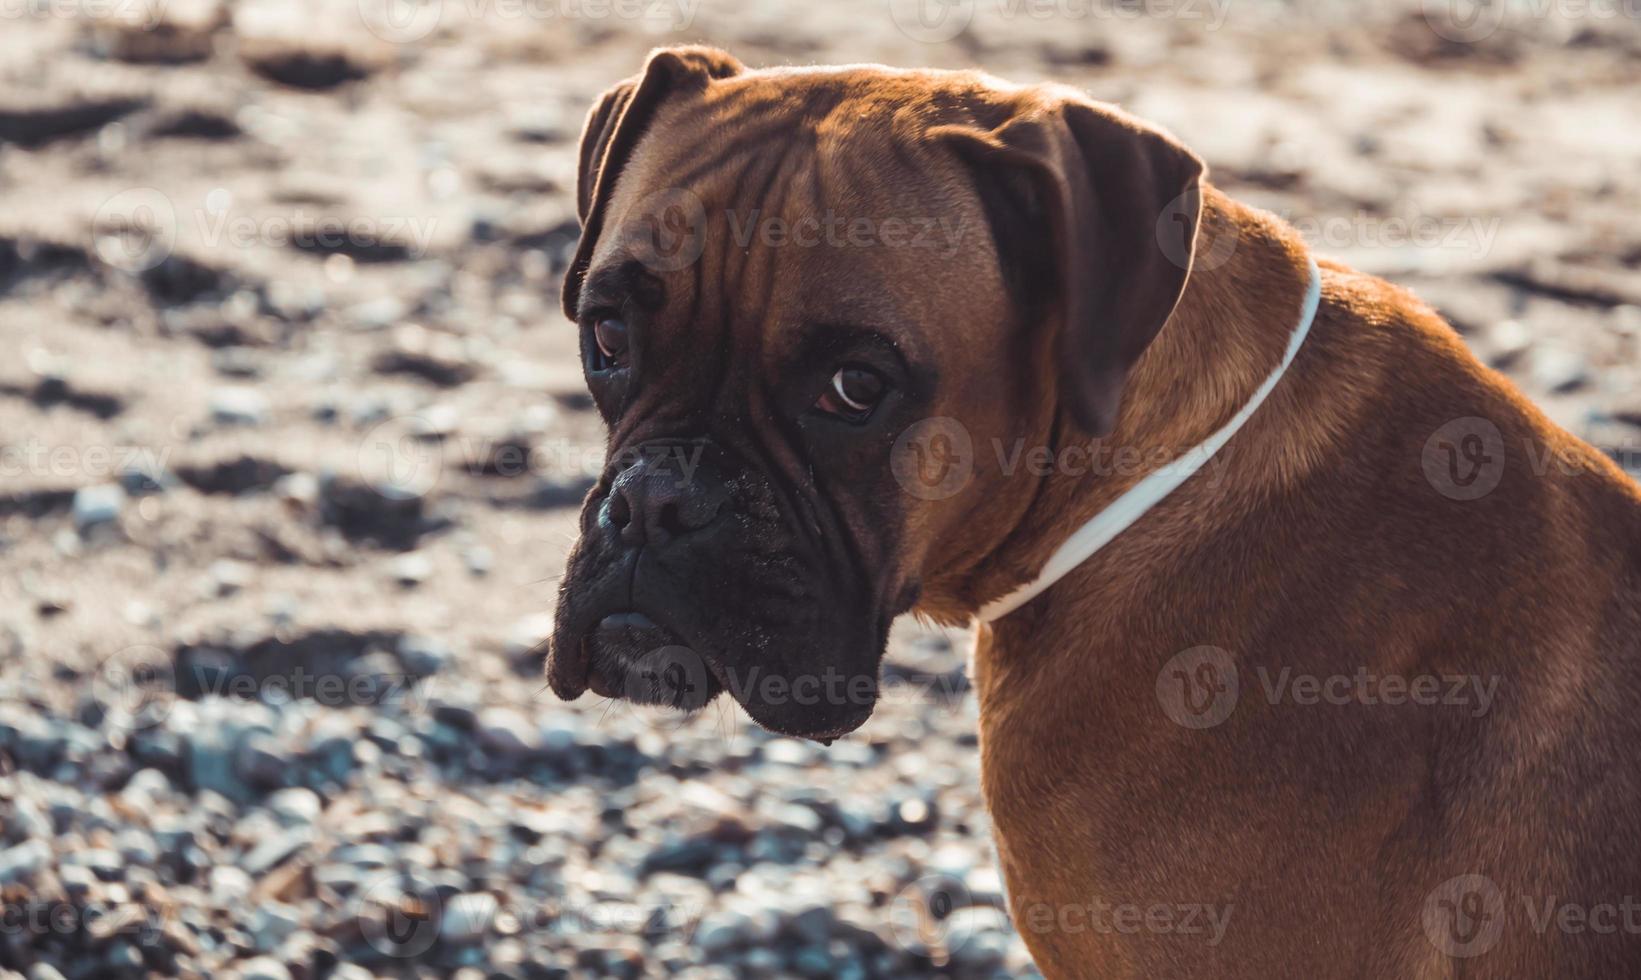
(292, 435)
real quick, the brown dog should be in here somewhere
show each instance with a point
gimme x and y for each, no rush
(1357, 699)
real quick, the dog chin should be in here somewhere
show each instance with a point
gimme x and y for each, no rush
(633, 657)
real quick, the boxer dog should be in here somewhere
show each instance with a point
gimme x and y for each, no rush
(1357, 695)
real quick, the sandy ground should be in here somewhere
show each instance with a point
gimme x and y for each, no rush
(285, 388)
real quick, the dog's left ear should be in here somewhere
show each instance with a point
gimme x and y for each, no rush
(613, 128)
(1121, 201)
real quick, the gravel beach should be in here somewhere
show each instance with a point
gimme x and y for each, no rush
(293, 435)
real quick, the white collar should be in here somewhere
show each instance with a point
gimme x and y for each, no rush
(1146, 494)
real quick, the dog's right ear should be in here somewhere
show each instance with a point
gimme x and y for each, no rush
(614, 127)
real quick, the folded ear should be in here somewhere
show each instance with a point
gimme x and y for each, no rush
(613, 128)
(1120, 200)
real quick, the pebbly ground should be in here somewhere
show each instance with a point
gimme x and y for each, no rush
(293, 436)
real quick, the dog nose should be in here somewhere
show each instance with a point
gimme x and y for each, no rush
(653, 505)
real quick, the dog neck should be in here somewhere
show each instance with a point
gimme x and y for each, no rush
(1230, 331)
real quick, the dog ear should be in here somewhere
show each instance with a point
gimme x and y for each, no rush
(613, 128)
(1120, 200)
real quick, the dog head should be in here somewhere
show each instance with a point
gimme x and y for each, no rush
(805, 296)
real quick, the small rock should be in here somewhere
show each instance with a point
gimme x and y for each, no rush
(977, 937)
(236, 362)
(374, 314)
(423, 655)
(467, 918)
(1558, 370)
(722, 930)
(913, 816)
(1507, 341)
(367, 856)
(478, 561)
(788, 752)
(434, 357)
(22, 862)
(526, 642)
(103, 863)
(411, 570)
(227, 576)
(275, 850)
(273, 923)
(229, 885)
(504, 731)
(263, 761)
(239, 406)
(295, 806)
(97, 505)
(263, 968)
(685, 855)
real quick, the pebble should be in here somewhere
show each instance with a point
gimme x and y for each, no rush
(423, 655)
(1557, 369)
(375, 314)
(215, 752)
(1506, 342)
(96, 505)
(22, 862)
(272, 923)
(275, 850)
(467, 918)
(295, 806)
(229, 885)
(239, 406)
(411, 570)
(504, 731)
(263, 968)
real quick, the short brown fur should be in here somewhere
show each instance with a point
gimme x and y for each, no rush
(1314, 543)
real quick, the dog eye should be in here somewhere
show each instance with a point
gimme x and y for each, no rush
(610, 337)
(852, 394)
